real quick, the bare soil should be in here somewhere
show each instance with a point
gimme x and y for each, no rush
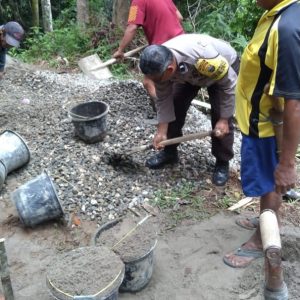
(188, 257)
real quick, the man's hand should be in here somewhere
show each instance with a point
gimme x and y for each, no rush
(161, 135)
(118, 54)
(285, 178)
(221, 128)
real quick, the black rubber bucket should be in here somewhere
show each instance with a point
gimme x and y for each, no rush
(89, 120)
(37, 201)
(138, 272)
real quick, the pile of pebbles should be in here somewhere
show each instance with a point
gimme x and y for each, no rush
(35, 104)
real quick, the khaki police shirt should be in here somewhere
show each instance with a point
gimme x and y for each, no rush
(187, 50)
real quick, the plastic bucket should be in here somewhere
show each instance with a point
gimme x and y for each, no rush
(138, 272)
(37, 201)
(89, 120)
(14, 152)
(2, 174)
(111, 292)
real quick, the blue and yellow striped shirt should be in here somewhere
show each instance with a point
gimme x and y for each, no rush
(271, 57)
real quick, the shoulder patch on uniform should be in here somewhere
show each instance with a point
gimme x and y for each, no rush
(215, 68)
(132, 13)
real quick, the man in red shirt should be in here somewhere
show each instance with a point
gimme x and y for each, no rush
(160, 20)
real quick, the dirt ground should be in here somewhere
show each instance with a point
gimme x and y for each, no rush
(188, 260)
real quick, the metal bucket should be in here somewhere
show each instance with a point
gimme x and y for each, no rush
(14, 152)
(89, 120)
(37, 201)
(138, 272)
(2, 174)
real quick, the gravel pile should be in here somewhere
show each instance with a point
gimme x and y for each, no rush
(35, 104)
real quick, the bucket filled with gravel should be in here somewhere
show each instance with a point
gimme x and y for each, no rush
(134, 243)
(93, 273)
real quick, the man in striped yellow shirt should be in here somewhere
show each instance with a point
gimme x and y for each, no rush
(269, 79)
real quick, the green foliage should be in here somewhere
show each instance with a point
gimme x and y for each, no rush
(68, 42)
(167, 199)
(231, 20)
(225, 202)
(246, 17)
(182, 202)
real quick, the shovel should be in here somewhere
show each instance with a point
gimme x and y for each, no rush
(185, 138)
(93, 66)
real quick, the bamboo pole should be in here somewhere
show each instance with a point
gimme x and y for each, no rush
(4, 273)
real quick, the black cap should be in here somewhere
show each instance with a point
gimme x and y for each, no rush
(14, 33)
(155, 59)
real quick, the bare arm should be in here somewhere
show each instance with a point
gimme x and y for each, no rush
(129, 35)
(179, 15)
(285, 173)
(161, 134)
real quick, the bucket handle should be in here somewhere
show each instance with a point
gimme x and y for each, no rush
(104, 227)
(87, 297)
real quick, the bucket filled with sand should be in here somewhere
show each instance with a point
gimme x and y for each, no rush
(93, 273)
(136, 250)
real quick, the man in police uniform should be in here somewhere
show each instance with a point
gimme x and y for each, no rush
(11, 34)
(269, 81)
(179, 68)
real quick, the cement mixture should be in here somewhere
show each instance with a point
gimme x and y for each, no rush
(86, 271)
(135, 245)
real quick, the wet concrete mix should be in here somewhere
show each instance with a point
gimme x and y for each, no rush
(135, 245)
(86, 271)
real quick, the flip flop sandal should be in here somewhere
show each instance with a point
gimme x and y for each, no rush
(254, 254)
(248, 223)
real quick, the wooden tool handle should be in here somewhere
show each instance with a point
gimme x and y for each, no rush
(114, 60)
(186, 138)
(269, 229)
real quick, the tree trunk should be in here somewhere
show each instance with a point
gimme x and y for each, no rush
(47, 15)
(82, 13)
(120, 12)
(35, 13)
(14, 6)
